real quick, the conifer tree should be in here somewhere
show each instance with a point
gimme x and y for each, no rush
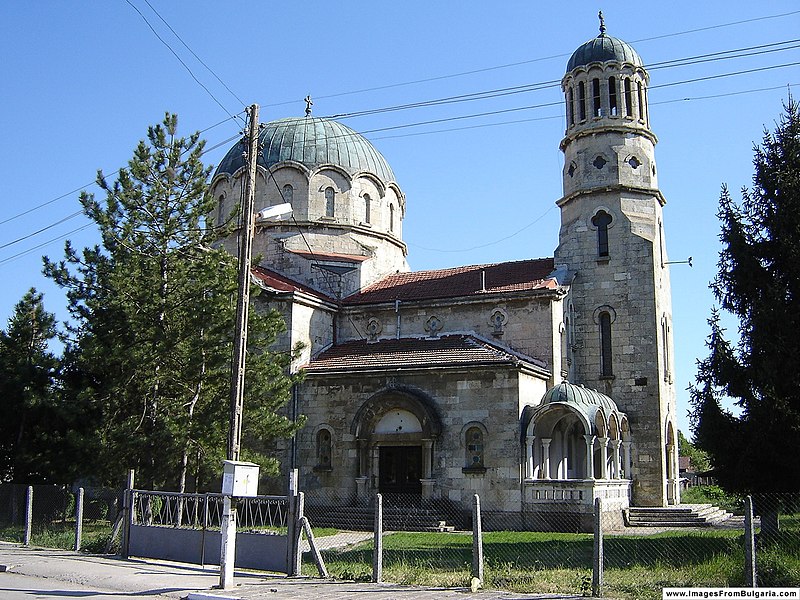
(28, 380)
(154, 308)
(758, 282)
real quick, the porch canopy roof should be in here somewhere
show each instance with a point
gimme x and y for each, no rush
(597, 412)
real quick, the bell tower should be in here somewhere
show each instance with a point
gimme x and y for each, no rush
(619, 312)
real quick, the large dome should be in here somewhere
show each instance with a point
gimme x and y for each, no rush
(312, 142)
(601, 49)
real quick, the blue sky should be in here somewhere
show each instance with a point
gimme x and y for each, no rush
(83, 80)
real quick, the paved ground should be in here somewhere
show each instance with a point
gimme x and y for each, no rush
(58, 573)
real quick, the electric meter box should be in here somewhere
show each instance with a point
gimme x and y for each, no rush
(239, 479)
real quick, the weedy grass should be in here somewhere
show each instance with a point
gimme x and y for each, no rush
(636, 566)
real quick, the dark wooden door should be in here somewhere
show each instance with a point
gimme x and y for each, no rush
(400, 470)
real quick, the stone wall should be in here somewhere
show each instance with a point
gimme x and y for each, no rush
(460, 398)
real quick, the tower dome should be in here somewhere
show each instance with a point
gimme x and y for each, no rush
(603, 48)
(312, 142)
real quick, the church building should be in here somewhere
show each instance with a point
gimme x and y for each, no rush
(537, 384)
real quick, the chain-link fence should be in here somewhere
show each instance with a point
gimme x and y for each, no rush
(53, 516)
(643, 550)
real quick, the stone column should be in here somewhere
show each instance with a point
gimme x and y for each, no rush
(603, 457)
(360, 450)
(375, 467)
(626, 447)
(605, 108)
(546, 457)
(589, 456)
(615, 466)
(529, 440)
(426, 481)
(427, 458)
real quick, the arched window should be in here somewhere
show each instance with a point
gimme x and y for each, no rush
(367, 208)
(606, 368)
(596, 97)
(330, 201)
(582, 100)
(570, 111)
(665, 334)
(628, 98)
(288, 193)
(601, 221)
(612, 95)
(391, 217)
(324, 449)
(474, 448)
(641, 104)
(220, 210)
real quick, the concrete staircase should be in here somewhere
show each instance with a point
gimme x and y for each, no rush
(681, 515)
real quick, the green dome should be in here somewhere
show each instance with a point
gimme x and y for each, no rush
(312, 142)
(601, 49)
(578, 396)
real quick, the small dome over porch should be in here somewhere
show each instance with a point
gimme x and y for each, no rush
(577, 447)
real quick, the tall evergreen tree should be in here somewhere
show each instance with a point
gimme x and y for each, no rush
(154, 308)
(758, 282)
(28, 379)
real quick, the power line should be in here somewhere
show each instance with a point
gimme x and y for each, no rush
(200, 60)
(180, 60)
(537, 86)
(736, 53)
(458, 118)
(539, 59)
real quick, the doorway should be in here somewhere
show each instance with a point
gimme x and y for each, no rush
(400, 470)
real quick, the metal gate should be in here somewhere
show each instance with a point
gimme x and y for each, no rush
(186, 528)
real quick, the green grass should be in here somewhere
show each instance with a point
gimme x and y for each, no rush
(636, 566)
(61, 535)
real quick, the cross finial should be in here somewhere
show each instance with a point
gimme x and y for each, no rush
(602, 23)
(309, 104)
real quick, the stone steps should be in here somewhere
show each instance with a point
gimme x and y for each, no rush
(682, 515)
(358, 518)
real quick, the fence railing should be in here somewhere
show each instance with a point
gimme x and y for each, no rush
(204, 511)
(433, 543)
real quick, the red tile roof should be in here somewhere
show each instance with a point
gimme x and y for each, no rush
(281, 283)
(416, 353)
(524, 275)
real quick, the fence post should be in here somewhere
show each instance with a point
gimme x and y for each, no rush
(297, 563)
(78, 519)
(28, 515)
(127, 514)
(477, 539)
(377, 546)
(291, 520)
(597, 554)
(749, 544)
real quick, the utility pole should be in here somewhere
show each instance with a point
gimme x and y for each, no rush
(243, 297)
(228, 549)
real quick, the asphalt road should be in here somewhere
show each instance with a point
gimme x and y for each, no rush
(37, 573)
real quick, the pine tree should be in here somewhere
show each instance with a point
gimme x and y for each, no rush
(28, 380)
(154, 307)
(758, 282)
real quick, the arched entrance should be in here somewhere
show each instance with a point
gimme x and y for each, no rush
(395, 432)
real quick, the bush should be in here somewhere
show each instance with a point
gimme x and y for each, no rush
(713, 494)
